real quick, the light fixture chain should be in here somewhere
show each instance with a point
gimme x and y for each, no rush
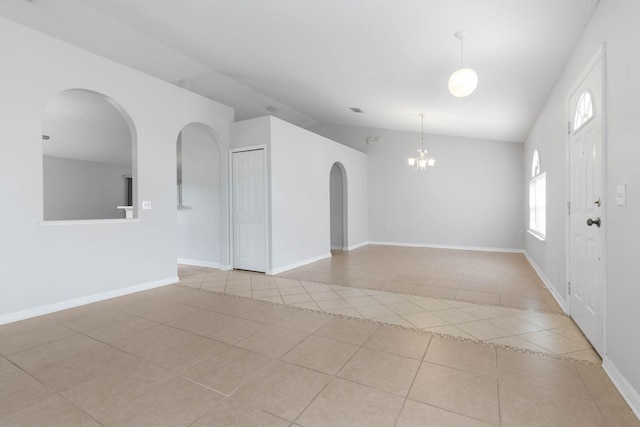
(422, 131)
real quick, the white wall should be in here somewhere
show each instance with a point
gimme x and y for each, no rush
(471, 198)
(299, 164)
(351, 136)
(199, 217)
(46, 267)
(615, 23)
(80, 189)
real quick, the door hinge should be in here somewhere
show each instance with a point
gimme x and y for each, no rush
(569, 288)
(568, 128)
(568, 208)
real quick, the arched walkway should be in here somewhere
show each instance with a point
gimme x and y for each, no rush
(338, 207)
(198, 200)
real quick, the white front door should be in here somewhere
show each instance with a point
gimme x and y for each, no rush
(249, 210)
(586, 198)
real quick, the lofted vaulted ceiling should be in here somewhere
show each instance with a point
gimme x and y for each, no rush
(314, 59)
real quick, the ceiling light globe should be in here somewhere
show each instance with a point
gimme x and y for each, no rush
(463, 82)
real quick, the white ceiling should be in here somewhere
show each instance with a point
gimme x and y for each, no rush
(313, 59)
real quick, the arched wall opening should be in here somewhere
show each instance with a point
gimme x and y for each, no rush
(89, 165)
(338, 207)
(198, 196)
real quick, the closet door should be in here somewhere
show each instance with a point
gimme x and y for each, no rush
(249, 210)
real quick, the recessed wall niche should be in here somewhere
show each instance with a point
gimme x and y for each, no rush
(88, 158)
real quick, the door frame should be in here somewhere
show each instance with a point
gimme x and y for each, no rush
(267, 202)
(599, 56)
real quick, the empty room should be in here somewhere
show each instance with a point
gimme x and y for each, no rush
(303, 213)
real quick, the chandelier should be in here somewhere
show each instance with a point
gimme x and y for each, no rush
(463, 81)
(421, 162)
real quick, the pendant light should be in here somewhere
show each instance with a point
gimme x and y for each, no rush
(464, 80)
(421, 162)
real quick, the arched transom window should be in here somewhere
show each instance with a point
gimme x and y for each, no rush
(584, 110)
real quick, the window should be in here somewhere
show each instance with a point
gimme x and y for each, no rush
(537, 198)
(584, 110)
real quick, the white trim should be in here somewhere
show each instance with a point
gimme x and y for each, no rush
(629, 394)
(537, 235)
(63, 305)
(338, 248)
(90, 221)
(554, 292)
(462, 248)
(357, 245)
(298, 264)
(199, 263)
(226, 267)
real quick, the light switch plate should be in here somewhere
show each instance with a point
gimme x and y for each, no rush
(621, 195)
(146, 205)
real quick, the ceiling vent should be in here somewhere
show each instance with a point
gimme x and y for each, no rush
(272, 109)
(356, 110)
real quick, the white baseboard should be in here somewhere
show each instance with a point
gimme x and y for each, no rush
(199, 263)
(357, 245)
(629, 394)
(562, 302)
(63, 305)
(225, 267)
(279, 270)
(461, 248)
(339, 248)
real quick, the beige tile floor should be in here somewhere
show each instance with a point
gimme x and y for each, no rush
(385, 350)
(505, 279)
(178, 356)
(532, 330)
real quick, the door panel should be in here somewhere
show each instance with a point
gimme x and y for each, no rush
(586, 299)
(249, 210)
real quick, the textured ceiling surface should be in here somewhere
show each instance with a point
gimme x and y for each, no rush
(314, 59)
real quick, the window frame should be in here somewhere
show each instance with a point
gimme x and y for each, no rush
(537, 199)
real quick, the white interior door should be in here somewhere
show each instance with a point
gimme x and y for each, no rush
(249, 210)
(586, 210)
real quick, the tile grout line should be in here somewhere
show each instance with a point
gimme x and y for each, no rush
(498, 389)
(332, 376)
(413, 381)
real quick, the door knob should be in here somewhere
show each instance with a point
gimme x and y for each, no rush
(596, 221)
